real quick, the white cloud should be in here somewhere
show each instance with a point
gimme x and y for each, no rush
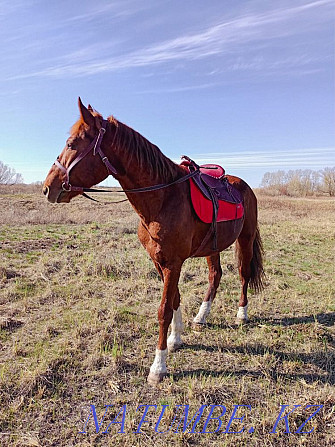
(116, 10)
(314, 158)
(231, 38)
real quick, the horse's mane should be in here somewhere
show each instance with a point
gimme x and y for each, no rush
(145, 154)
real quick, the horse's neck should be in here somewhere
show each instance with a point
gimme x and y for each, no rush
(138, 175)
(146, 204)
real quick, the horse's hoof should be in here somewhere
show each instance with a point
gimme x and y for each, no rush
(198, 327)
(241, 321)
(154, 379)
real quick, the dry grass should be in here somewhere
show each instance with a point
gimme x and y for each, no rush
(78, 300)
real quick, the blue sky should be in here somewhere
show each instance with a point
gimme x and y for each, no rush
(248, 84)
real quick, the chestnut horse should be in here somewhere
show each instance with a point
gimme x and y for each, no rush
(168, 228)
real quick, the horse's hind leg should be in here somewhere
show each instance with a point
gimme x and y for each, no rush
(244, 248)
(215, 273)
(249, 250)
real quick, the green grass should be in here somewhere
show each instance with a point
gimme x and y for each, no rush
(78, 326)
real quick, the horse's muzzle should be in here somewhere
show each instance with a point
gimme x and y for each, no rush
(52, 197)
(45, 190)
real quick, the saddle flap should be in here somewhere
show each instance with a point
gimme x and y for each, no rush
(219, 187)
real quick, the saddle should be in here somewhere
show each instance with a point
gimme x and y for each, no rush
(214, 199)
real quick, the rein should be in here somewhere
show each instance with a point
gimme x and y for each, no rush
(95, 145)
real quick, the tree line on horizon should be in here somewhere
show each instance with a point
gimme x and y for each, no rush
(300, 182)
(295, 183)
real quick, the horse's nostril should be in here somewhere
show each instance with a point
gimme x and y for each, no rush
(45, 190)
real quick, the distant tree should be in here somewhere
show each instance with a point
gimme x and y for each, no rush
(328, 180)
(302, 182)
(315, 181)
(275, 181)
(8, 176)
(299, 182)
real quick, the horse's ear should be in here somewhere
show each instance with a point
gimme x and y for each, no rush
(90, 108)
(85, 114)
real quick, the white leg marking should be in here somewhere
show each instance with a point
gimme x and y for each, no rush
(242, 313)
(203, 312)
(174, 340)
(159, 365)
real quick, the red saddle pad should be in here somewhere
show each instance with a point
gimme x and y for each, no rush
(204, 207)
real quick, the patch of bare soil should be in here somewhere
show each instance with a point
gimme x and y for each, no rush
(10, 324)
(27, 246)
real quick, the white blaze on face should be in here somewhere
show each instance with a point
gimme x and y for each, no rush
(203, 312)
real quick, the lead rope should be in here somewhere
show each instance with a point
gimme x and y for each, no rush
(103, 203)
(139, 190)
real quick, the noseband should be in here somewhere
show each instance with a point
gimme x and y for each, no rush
(95, 146)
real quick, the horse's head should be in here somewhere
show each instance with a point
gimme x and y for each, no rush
(77, 166)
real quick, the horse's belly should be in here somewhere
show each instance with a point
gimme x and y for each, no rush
(227, 233)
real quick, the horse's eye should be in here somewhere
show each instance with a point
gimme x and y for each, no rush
(69, 146)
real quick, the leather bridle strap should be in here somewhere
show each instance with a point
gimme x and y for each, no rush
(95, 145)
(146, 188)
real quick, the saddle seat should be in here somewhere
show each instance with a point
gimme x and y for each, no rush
(214, 199)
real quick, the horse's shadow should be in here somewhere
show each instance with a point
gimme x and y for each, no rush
(326, 319)
(315, 358)
(308, 378)
(319, 359)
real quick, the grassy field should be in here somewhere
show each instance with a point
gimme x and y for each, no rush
(78, 327)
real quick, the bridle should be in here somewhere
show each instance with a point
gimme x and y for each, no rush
(96, 147)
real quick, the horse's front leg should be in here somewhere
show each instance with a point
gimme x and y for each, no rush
(169, 304)
(175, 341)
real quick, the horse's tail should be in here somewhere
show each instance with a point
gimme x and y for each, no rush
(249, 247)
(256, 265)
